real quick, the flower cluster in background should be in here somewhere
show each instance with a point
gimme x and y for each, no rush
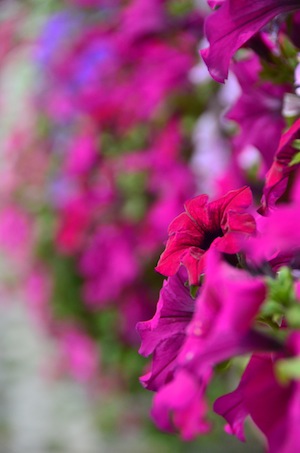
(96, 170)
(231, 297)
(131, 153)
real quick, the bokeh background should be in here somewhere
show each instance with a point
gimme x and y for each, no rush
(109, 122)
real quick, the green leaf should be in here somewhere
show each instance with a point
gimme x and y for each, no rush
(281, 289)
(223, 366)
(280, 300)
(288, 50)
(293, 316)
(287, 369)
(279, 71)
(130, 183)
(271, 307)
(296, 144)
(193, 291)
(296, 158)
(179, 8)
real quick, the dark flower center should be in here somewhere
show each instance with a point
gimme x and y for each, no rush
(209, 237)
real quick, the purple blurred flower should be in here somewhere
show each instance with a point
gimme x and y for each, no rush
(108, 264)
(79, 354)
(257, 111)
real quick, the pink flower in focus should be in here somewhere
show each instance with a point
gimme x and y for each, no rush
(188, 338)
(204, 224)
(225, 311)
(164, 334)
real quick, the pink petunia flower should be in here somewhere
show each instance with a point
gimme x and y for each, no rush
(273, 407)
(189, 337)
(80, 354)
(278, 237)
(277, 176)
(164, 334)
(204, 224)
(184, 397)
(257, 111)
(233, 24)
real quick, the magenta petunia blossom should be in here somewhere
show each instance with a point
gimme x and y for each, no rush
(184, 398)
(163, 336)
(188, 338)
(278, 238)
(232, 406)
(233, 24)
(224, 315)
(143, 17)
(165, 333)
(101, 64)
(277, 176)
(257, 112)
(108, 264)
(204, 224)
(273, 407)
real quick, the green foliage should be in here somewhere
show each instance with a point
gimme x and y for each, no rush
(287, 369)
(288, 50)
(102, 324)
(132, 190)
(296, 158)
(293, 316)
(280, 70)
(114, 144)
(131, 182)
(280, 298)
(281, 289)
(296, 144)
(179, 7)
(193, 291)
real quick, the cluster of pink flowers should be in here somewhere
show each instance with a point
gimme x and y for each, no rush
(98, 169)
(232, 263)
